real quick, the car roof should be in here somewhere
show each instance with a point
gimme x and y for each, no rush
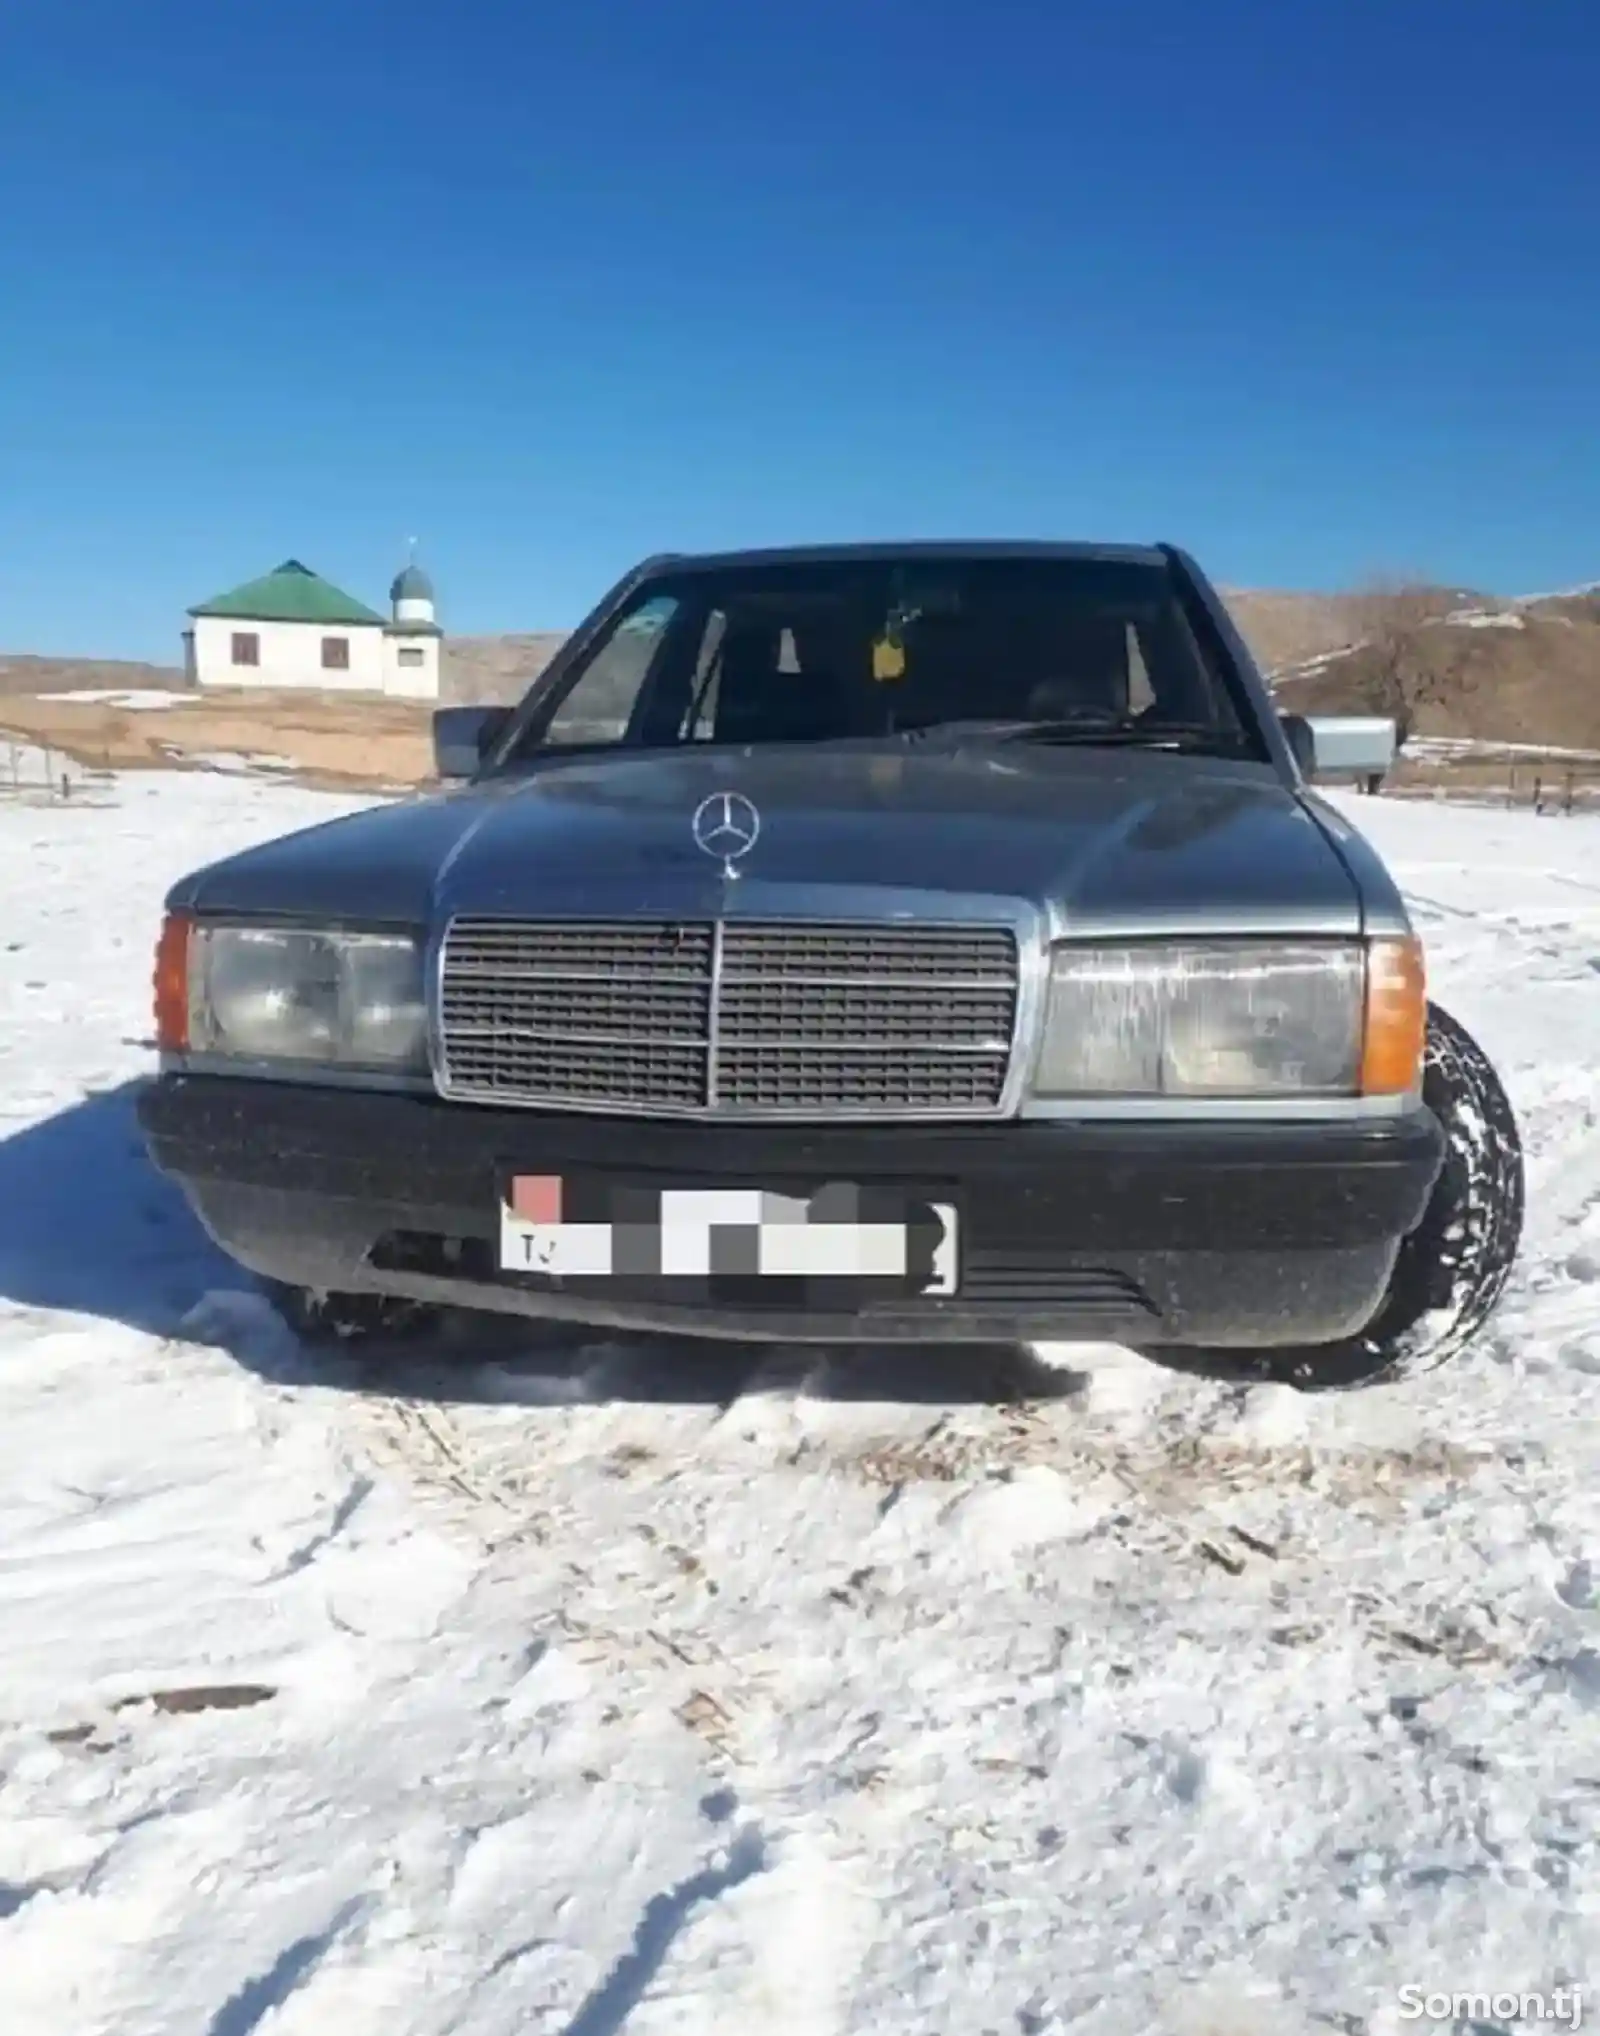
(919, 548)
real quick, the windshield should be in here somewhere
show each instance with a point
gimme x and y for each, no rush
(1045, 648)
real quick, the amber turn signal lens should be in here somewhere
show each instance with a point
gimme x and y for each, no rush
(1396, 1028)
(172, 984)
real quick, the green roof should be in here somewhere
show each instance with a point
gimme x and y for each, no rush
(290, 593)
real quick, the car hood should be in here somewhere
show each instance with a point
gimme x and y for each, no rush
(1104, 838)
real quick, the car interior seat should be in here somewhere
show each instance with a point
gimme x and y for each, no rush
(1083, 667)
(759, 701)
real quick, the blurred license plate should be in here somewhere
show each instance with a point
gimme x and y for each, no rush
(624, 1231)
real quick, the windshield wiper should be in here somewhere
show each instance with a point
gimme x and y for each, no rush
(1194, 738)
(1134, 735)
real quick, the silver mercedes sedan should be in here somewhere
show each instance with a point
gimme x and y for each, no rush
(890, 942)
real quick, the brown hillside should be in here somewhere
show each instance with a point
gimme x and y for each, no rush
(1286, 629)
(25, 673)
(476, 668)
(1532, 678)
(320, 739)
(1583, 606)
(479, 670)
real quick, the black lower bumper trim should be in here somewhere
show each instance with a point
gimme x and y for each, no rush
(1154, 1233)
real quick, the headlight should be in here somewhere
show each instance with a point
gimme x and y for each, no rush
(280, 994)
(1213, 1018)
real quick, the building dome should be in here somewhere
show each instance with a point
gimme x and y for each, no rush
(411, 584)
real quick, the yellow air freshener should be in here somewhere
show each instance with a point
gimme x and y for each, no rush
(888, 660)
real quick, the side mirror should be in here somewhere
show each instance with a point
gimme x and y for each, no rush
(462, 735)
(1352, 746)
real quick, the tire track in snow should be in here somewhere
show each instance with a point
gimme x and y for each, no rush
(424, 1442)
(664, 1921)
(771, 1935)
(617, 1605)
(1178, 1491)
(1189, 1437)
(265, 1993)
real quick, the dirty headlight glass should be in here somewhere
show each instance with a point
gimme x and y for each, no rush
(283, 994)
(1207, 1018)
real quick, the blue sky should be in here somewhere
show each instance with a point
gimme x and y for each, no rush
(1309, 286)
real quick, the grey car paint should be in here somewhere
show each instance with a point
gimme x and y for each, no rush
(1100, 843)
(1061, 842)
(1093, 841)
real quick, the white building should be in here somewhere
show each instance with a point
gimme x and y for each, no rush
(292, 629)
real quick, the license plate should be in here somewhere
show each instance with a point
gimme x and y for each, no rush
(636, 1233)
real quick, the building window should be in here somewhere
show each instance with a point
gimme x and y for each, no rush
(246, 647)
(410, 655)
(336, 653)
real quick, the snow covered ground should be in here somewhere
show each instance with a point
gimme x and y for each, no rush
(595, 1694)
(1458, 748)
(147, 702)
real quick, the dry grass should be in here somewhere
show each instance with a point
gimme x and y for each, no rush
(495, 670)
(29, 674)
(1285, 629)
(334, 741)
(320, 740)
(1539, 683)
(1552, 785)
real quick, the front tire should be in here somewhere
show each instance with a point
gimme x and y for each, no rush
(1453, 1268)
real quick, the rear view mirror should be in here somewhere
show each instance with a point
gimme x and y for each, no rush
(1331, 746)
(462, 736)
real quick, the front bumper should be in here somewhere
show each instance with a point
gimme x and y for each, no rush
(1150, 1234)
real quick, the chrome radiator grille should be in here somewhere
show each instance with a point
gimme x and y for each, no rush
(804, 1017)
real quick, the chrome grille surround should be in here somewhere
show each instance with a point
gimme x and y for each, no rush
(809, 1018)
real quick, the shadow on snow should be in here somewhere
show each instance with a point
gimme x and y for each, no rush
(88, 1227)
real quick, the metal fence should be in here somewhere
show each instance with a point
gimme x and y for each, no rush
(1555, 790)
(33, 774)
(1553, 785)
